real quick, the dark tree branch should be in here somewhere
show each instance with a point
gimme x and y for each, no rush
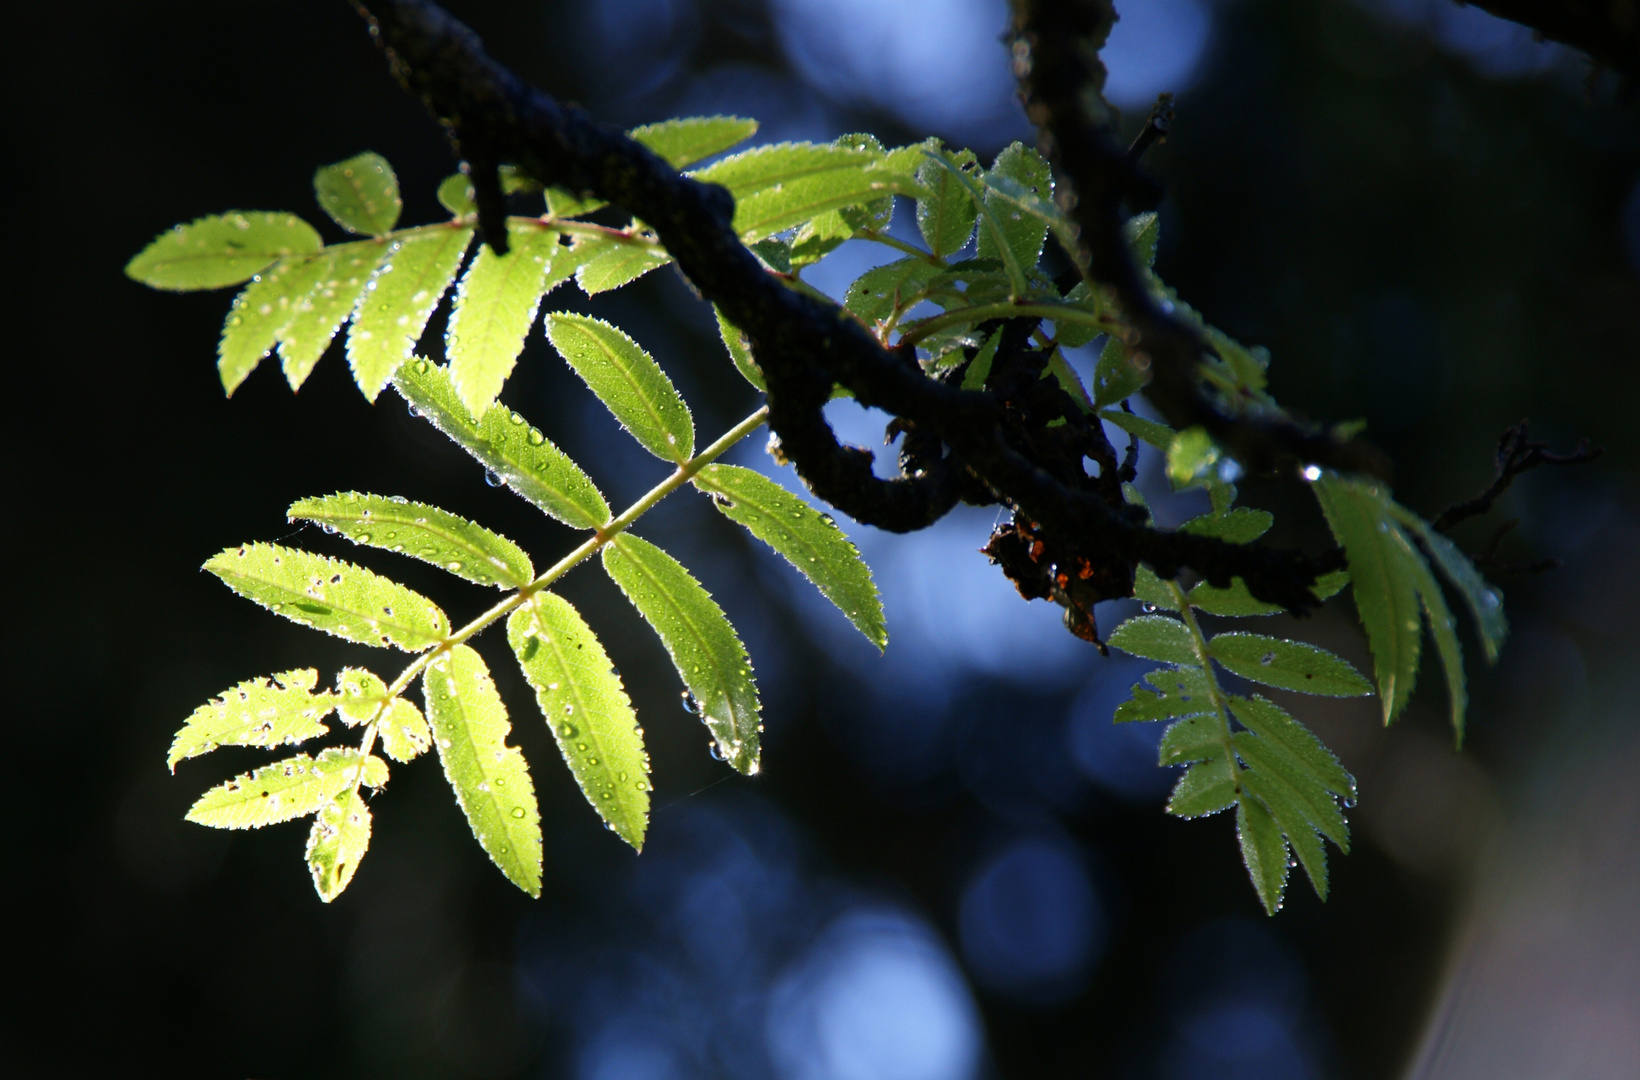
(1607, 30)
(1516, 454)
(1056, 58)
(804, 346)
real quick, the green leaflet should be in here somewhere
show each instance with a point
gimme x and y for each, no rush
(256, 712)
(1191, 457)
(946, 215)
(258, 314)
(1264, 852)
(286, 790)
(422, 532)
(704, 647)
(1239, 525)
(1445, 630)
(880, 292)
(336, 843)
(804, 537)
(1206, 788)
(455, 194)
(490, 778)
(685, 141)
(494, 308)
(628, 381)
(400, 298)
(1157, 435)
(516, 453)
(1292, 740)
(740, 350)
(586, 708)
(400, 726)
(993, 244)
(1385, 592)
(1485, 603)
(1143, 231)
(331, 595)
(1015, 236)
(1288, 665)
(1026, 201)
(224, 250)
(777, 187)
(979, 369)
(338, 281)
(1155, 637)
(819, 237)
(1178, 692)
(608, 262)
(1238, 601)
(362, 195)
(1114, 376)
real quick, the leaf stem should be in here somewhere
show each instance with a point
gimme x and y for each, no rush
(1221, 703)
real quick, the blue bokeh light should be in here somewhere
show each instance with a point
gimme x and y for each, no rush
(1155, 47)
(876, 997)
(1031, 923)
(1119, 758)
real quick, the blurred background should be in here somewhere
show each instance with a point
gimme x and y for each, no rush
(952, 866)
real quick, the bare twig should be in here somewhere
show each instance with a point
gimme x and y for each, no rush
(1516, 454)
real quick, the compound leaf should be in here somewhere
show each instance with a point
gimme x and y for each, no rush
(628, 381)
(689, 139)
(490, 778)
(515, 453)
(400, 298)
(223, 250)
(336, 844)
(423, 532)
(256, 712)
(362, 195)
(338, 280)
(1288, 665)
(804, 537)
(704, 647)
(586, 708)
(494, 308)
(1381, 566)
(1155, 637)
(608, 262)
(288, 789)
(331, 595)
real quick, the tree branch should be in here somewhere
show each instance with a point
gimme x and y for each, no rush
(804, 346)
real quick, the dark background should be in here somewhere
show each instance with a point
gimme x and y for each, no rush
(951, 865)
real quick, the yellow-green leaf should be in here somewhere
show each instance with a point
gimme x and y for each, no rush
(361, 194)
(1288, 665)
(628, 381)
(687, 140)
(285, 790)
(400, 298)
(490, 779)
(336, 844)
(256, 712)
(586, 707)
(422, 532)
(704, 647)
(337, 282)
(331, 595)
(223, 250)
(494, 308)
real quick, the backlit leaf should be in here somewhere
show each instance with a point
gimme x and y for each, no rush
(402, 293)
(338, 280)
(878, 292)
(1381, 566)
(517, 454)
(628, 381)
(1206, 788)
(1238, 601)
(740, 350)
(946, 215)
(1263, 850)
(1240, 525)
(490, 779)
(587, 709)
(331, 595)
(1288, 665)
(1485, 602)
(605, 262)
(257, 712)
(336, 844)
(1178, 692)
(288, 789)
(494, 308)
(685, 141)
(1020, 231)
(1157, 435)
(704, 647)
(403, 731)
(361, 693)
(1114, 376)
(455, 194)
(1155, 637)
(776, 187)
(804, 537)
(224, 250)
(361, 194)
(423, 532)
(258, 314)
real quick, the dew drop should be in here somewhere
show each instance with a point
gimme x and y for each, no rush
(717, 751)
(535, 437)
(492, 478)
(518, 811)
(691, 704)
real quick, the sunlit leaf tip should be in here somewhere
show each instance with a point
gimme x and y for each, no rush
(361, 194)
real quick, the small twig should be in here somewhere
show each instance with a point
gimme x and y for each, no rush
(1516, 454)
(1155, 131)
